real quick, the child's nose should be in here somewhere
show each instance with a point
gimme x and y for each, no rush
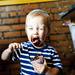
(36, 31)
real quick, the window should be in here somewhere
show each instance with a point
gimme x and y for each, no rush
(72, 30)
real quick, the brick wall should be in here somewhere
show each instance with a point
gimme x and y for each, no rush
(12, 19)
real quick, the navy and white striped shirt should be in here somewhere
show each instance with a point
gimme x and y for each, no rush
(28, 52)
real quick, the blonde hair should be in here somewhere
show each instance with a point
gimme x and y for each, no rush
(39, 12)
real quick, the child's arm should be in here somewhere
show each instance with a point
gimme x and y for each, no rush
(6, 53)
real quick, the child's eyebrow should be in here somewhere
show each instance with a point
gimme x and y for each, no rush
(29, 27)
(42, 25)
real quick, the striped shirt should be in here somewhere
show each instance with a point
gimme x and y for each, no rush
(28, 52)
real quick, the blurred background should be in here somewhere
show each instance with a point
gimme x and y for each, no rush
(12, 20)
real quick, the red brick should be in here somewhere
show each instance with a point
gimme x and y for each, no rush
(59, 9)
(59, 30)
(0, 35)
(56, 17)
(23, 33)
(12, 34)
(18, 27)
(4, 14)
(51, 16)
(57, 37)
(5, 41)
(57, 23)
(5, 28)
(48, 4)
(10, 20)
(21, 13)
(22, 20)
(11, 14)
(8, 41)
(66, 3)
(28, 7)
(12, 27)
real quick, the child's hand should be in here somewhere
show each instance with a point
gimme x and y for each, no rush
(6, 53)
(13, 46)
(39, 64)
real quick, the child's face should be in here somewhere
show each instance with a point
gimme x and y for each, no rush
(36, 30)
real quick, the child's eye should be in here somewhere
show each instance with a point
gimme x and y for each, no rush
(31, 28)
(41, 28)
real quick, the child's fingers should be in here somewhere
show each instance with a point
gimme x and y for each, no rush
(19, 46)
(14, 46)
(10, 46)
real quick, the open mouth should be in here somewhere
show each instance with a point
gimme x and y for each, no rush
(35, 40)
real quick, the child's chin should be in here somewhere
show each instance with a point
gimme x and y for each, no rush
(38, 44)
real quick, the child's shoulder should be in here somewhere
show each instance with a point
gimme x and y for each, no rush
(26, 43)
(51, 48)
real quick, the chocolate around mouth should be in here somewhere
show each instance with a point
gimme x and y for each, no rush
(36, 41)
(35, 38)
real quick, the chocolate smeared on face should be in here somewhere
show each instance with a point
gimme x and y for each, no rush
(36, 41)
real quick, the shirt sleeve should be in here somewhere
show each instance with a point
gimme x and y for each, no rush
(18, 51)
(56, 60)
(16, 54)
